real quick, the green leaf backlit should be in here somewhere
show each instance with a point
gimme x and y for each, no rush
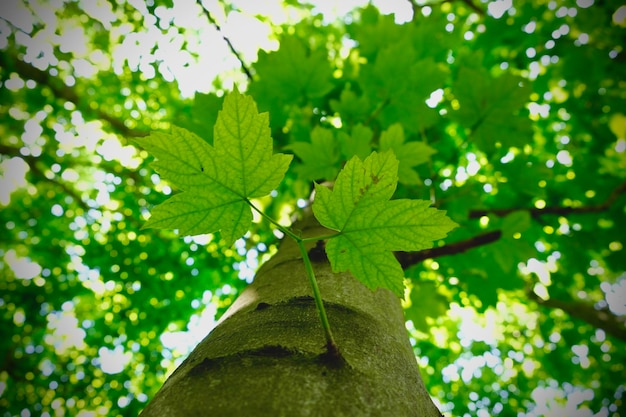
(371, 226)
(217, 180)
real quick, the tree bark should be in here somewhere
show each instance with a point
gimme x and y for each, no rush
(266, 356)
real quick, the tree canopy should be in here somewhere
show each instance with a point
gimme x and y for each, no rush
(508, 117)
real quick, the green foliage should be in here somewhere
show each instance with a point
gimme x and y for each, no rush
(523, 105)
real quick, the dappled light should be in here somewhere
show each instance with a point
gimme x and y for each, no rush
(508, 116)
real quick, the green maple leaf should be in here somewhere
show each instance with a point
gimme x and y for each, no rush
(490, 107)
(357, 143)
(371, 226)
(320, 158)
(352, 108)
(410, 154)
(217, 180)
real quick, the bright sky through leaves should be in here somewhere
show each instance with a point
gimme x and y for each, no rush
(75, 191)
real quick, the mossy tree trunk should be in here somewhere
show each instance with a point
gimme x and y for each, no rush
(266, 357)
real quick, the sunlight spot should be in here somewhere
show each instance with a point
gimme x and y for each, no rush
(542, 110)
(540, 204)
(583, 4)
(581, 352)
(595, 268)
(615, 295)
(202, 239)
(583, 39)
(65, 332)
(540, 269)
(112, 150)
(566, 401)
(541, 291)
(72, 40)
(113, 361)
(473, 167)
(18, 14)
(23, 268)
(19, 317)
(461, 176)
(619, 17)
(564, 158)
(507, 158)
(530, 27)
(435, 98)
(499, 7)
(535, 70)
(57, 210)
(12, 177)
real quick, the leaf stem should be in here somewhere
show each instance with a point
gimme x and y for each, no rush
(280, 227)
(323, 237)
(317, 296)
(331, 346)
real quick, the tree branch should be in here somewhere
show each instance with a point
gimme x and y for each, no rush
(468, 3)
(561, 211)
(39, 174)
(244, 67)
(407, 259)
(602, 318)
(27, 71)
(475, 8)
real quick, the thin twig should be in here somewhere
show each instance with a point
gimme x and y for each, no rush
(561, 211)
(38, 173)
(244, 67)
(469, 3)
(602, 318)
(377, 111)
(407, 259)
(475, 8)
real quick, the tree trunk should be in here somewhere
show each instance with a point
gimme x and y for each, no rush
(266, 357)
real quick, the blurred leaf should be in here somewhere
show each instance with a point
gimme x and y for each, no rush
(426, 301)
(410, 154)
(489, 107)
(358, 143)
(320, 158)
